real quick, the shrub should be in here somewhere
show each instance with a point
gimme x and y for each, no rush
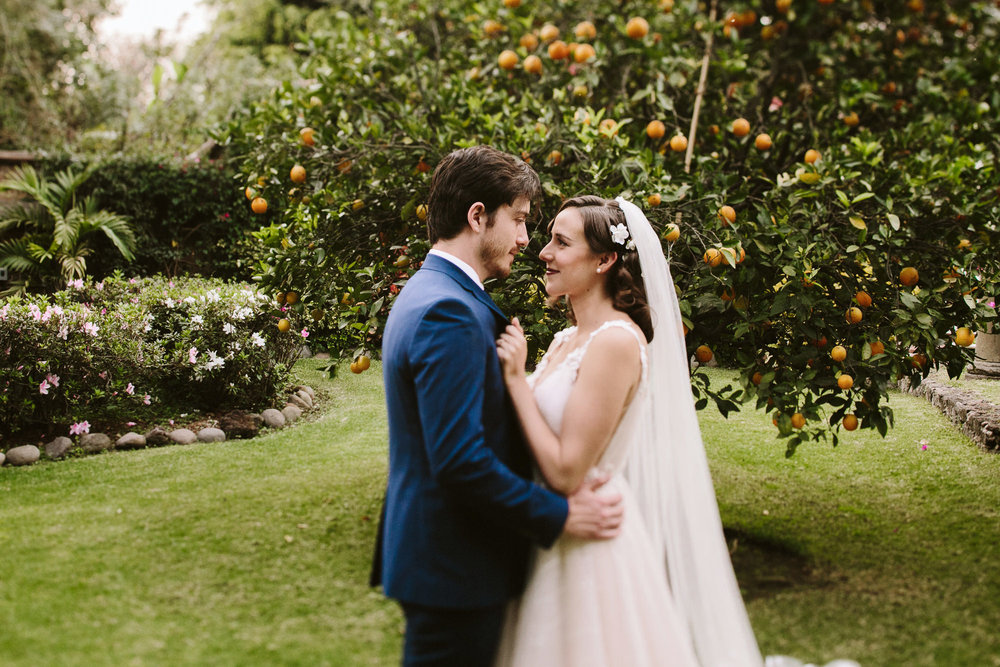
(104, 351)
(187, 217)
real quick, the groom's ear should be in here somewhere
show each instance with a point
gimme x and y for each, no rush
(476, 216)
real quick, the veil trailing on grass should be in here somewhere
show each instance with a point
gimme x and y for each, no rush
(668, 470)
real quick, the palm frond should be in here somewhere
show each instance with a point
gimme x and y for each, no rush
(26, 215)
(67, 182)
(66, 233)
(15, 254)
(25, 179)
(119, 230)
(73, 267)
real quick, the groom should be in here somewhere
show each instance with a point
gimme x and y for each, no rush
(460, 515)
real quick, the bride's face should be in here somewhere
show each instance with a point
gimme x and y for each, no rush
(570, 264)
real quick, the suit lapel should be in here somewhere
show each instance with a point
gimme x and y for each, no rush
(441, 265)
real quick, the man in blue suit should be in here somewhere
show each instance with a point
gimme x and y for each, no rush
(460, 513)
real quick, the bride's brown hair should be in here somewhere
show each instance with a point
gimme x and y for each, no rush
(624, 284)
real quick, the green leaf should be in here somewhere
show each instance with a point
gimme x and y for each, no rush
(894, 221)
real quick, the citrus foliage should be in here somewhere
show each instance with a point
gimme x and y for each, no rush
(896, 102)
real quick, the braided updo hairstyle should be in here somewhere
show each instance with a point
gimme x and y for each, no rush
(624, 282)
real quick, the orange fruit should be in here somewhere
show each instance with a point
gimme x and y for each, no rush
(851, 119)
(757, 378)
(585, 30)
(741, 127)
(963, 244)
(850, 422)
(608, 127)
(533, 64)
(529, 41)
(743, 255)
(713, 257)
(284, 325)
(548, 32)
(919, 360)
(909, 276)
(582, 91)
(280, 298)
(654, 199)
(357, 205)
(838, 353)
(703, 354)
(308, 136)
(291, 298)
(402, 262)
(673, 233)
(298, 174)
(863, 298)
(783, 5)
(364, 362)
(317, 313)
(507, 59)
(637, 27)
(845, 381)
(655, 129)
(345, 165)
(555, 157)
(492, 28)
(798, 420)
(558, 50)
(512, 4)
(727, 214)
(763, 142)
(812, 156)
(964, 337)
(877, 348)
(678, 143)
(249, 193)
(854, 315)
(583, 53)
(258, 205)
(422, 212)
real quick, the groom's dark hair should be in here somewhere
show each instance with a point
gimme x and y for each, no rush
(475, 174)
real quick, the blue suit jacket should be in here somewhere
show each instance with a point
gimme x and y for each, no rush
(460, 514)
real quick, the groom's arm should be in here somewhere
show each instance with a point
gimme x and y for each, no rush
(449, 364)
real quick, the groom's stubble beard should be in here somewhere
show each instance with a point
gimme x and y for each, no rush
(495, 254)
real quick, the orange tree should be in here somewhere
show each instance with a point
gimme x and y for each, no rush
(850, 140)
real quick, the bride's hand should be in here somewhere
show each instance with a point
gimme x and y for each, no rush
(512, 348)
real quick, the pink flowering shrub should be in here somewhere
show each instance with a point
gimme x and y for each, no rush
(119, 349)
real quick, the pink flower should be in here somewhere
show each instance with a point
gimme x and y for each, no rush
(53, 379)
(923, 448)
(776, 104)
(130, 423)
(99, 286)
(129, 389)
(43, 388)
(131, 281)
(104, 375)
(193, 355)
(147, 399)
(79, 428)
(305, 333)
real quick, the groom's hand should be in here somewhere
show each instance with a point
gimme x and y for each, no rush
(594, 516)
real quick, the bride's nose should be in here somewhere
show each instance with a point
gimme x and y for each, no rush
(546, 253)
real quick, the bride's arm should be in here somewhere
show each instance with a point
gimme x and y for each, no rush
(607, 375)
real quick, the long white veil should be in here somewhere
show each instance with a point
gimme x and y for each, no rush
(668, 471)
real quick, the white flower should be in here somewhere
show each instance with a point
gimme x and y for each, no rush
(242, 313)
(212, 296)
(197, 320)
(169, 303)
(189, 299)
(228, 328)
(214, 361)
(784, 179)
(619, 234)
(91, 328)
(63, 332)
(257, 339)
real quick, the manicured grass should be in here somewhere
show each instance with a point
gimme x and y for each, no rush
(987, 387)
(257, 552)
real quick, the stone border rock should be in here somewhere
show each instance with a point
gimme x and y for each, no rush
(976, 417)
(239, 425)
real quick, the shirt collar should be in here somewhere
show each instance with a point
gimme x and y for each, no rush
(466, 269)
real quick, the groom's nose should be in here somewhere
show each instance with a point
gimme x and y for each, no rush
(522, 236)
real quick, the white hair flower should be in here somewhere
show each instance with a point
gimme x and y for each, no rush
(619, 234)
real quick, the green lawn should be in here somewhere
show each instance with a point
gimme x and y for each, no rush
(257, 552)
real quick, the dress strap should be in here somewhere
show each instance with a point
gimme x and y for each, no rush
(557, 341)
(576, 356)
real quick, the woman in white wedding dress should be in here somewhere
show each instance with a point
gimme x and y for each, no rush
(602, 402)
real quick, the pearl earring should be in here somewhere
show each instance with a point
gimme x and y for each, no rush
(598, 270)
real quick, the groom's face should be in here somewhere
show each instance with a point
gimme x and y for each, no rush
(504, 238)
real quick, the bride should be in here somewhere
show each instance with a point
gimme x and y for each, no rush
(612, 398)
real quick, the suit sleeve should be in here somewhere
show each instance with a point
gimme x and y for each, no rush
(450, 378)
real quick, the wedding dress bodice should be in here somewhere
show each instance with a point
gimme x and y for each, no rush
(552, 388)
